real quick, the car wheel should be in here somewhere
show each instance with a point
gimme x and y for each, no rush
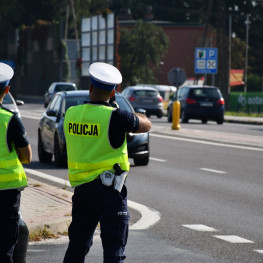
(160, 115)
(60, 160)
(43, 156)
(141, 161)
(220, 121)
(184, 118)
(204, 121)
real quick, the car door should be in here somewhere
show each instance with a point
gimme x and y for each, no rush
(50, 122)
(182, 96)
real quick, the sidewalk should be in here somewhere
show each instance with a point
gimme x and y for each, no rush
(46, 205)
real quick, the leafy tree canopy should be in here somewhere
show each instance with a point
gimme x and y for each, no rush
(141, 49)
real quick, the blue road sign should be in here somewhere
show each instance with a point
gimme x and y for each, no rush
(205, 60)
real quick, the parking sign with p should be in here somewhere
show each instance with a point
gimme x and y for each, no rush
(206, 60)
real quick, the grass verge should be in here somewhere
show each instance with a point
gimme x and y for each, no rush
(230, 113)
(42, 233)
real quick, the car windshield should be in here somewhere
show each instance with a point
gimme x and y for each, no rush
(64, 87)
(202, 93)
(123, 104)
(146, 93)
(77, 100)
(7, 99)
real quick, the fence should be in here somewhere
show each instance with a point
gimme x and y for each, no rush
(249, 102)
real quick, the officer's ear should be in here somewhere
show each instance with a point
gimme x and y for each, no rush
(112, 93)
(7, 89)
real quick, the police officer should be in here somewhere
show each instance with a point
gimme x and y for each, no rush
(14, 150)
(96, 140)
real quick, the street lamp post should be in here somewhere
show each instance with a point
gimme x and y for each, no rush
(246, 62)
(229, 51)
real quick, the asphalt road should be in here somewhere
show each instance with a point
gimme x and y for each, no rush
(209, 195)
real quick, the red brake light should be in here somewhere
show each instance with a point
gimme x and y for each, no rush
(221, 101)
(132, 98)
(190, 101)
(160, 98)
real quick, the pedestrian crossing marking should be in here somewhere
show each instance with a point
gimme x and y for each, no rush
(199, 227)
(234, 239)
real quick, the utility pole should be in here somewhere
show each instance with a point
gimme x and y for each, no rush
(246, 62)
(68, 3)
(222, 44)
(66, 22)
(229, 49)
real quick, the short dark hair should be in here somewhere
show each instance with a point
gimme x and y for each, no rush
(2, 90)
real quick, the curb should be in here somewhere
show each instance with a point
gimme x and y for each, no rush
(44, 205)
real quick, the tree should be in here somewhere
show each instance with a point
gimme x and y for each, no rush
(141, 49)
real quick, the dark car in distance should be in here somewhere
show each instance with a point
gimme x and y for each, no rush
(57, 87)
(51, 138)
(203, 103)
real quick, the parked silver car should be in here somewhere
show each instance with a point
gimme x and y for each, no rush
(56, 87)
(145, 97)
(10, 103)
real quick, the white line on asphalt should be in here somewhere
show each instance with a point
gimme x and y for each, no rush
(213, 171)
(208, 143)
(259, 251)
(48, 177)
(157, 159)
(199, 227)
(148, 218)
(28, 116)
(234, 239)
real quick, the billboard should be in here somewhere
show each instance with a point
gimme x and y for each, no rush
(97, 40)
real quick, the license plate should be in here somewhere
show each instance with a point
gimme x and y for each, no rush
(147, 101)
(206, 104)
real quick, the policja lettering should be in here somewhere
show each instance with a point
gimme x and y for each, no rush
(84, 129)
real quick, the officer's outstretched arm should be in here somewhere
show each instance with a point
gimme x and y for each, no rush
(144, 123)
(24, 154)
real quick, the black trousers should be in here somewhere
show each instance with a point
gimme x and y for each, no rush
(92, 203)
(9, 216)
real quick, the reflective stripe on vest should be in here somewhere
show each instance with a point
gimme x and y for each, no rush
(86, 129)
(12, 174)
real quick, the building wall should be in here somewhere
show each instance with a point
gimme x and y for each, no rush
(181, 52)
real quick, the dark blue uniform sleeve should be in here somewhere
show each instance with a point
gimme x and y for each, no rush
(122, 121)
(16, 133)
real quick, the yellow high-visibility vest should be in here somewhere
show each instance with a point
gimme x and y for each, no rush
(12, 174)
(86, 129)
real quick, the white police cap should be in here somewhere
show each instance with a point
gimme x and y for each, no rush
(6, 73)
(104, 76)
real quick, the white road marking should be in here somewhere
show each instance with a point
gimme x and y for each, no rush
(259, 251)
(213, 171)
(157, 159)
(48, 177)
(203, 228)
(148, 218)
(208, 143)
(234, 239)
(30, 117)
